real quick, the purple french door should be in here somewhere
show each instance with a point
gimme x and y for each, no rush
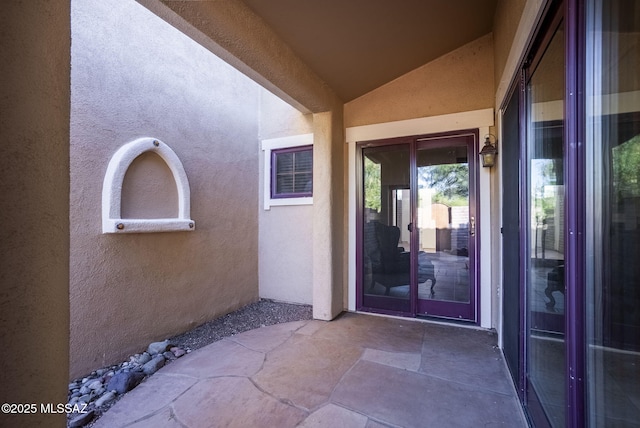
(417, 226)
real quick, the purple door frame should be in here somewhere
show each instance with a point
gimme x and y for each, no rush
(389, 306)
(573, 13)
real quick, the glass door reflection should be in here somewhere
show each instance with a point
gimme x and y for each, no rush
(446, 227)
(545, 358)
(386, 249)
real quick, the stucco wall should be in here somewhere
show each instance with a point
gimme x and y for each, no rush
(285, 231)
(505, 25)
(230, 29)
(149, 189)
(34, 188)
(133, 75)
(459, 81)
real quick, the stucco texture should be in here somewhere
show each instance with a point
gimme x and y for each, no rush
(462, 80)
(34, 186)
(286, 232)
(505, 26)
(133, 75)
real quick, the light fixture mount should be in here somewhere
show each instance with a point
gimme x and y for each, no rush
(489, 151)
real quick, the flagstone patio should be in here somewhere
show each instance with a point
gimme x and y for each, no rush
(356, 371)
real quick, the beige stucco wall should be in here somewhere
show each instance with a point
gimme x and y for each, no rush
(285, 238)
(232, 31)
(459, 81)
(149, 189)
(133, 75)
(329, 214)
(34, 189)
(514, 23)
(505, 26)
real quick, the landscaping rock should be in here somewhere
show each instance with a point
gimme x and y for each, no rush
(158, 347)
(124, 381)
(178, 352)
(154, 365)
(96, 384)
(123, 377)
(105, 399)
(144, 358)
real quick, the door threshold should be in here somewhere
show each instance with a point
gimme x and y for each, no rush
(451, 322)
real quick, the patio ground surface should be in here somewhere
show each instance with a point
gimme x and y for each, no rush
(356, 371)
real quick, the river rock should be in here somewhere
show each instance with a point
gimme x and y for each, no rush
(144, 358)
(154, 365)
(178, 352)
(124, 381)
(96, 384)
(158, 347)
(105, 399)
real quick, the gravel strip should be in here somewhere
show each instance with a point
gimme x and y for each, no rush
(260, 314)
(256, 315)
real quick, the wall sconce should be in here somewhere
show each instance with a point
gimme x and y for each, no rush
(489, 152)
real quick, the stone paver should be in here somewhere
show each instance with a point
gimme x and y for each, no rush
(165, 419)
(233, 402)
(222, 358)
(401, 360)
(357, 371)
(306, 369)
(408, 399)
(457, 348)
(334, 416)
(152, 395)
(375, 332)
(257, 340)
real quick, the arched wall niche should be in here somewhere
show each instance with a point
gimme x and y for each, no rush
(112, 221)
(149, 189)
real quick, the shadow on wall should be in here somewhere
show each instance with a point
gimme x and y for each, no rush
(135, 75)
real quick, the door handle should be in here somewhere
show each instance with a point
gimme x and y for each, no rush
(410, 227)
(472, 228)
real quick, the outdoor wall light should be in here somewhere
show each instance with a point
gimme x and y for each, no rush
(489, 151)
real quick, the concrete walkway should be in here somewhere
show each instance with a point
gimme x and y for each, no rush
(356, 371)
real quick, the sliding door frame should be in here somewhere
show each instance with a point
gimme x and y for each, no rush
(573, 14)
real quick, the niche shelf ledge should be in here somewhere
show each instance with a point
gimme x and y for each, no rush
(112, 191)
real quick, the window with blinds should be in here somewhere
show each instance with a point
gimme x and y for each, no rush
(292, 172)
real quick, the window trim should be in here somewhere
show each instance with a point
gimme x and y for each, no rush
(274, 173)
(269, 146)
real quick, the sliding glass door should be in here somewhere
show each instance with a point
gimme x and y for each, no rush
(613, 214)
(446, 223)
(385, 256)
(417, 228)
(545, 216)
(579, 102)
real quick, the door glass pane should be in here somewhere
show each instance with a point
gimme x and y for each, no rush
(444, 224)
(546, 252)
(386, 217)
(613, 213)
